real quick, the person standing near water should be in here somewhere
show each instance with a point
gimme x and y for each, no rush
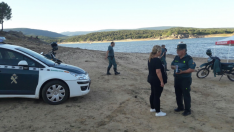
(166, 57)
(183, 66)
(157, 78)
(163, 57)
(111, 57)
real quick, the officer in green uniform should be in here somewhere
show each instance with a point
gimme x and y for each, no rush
(163, 57)
(183, 78)
(111, 57)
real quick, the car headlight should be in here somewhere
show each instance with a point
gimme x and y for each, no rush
(80, 76)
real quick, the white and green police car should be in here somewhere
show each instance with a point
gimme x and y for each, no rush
(27, 74)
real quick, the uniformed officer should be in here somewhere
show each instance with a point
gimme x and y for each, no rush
(111, 57)
(183, 78)
(163, 57)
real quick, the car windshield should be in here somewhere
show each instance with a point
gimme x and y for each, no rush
(37, 56)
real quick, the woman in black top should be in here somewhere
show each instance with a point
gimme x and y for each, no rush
(157, 78)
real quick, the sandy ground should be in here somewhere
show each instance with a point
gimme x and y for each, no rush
(121, 103)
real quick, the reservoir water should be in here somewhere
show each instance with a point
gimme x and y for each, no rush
(196, 47)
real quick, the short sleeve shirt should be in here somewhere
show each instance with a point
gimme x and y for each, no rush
(154, 64)
(111, 51)
(184, 64)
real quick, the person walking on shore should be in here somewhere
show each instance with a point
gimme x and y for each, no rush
(111, 57)
(183, 66)
(157, 78)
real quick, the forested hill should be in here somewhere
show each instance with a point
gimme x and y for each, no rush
(35, 32)
(106, 30)
(141, 34)
(144, 33)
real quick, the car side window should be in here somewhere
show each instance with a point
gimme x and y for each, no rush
(13, 58)
(32, 63)
(0, 54)
(2, 62)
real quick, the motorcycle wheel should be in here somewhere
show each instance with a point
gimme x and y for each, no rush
(231, 77)
(203, 73)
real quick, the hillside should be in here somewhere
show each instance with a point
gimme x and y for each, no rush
(35, 32)
(76, 33)
(18, 38)
(107, 30)
(172, 33)
(156, 28)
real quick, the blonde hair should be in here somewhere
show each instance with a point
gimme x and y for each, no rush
(156, 49)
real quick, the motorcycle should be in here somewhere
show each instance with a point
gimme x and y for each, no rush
(225, 69)
(52, 53)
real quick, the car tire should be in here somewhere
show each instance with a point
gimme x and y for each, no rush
(55, 92)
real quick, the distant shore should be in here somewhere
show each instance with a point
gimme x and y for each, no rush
(149, 39)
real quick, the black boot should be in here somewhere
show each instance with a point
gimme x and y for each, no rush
(116, 73)
(108, 71)
(178, 110)
(186, 113)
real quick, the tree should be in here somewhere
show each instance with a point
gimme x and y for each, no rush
(169, 33)
(5, 13)
(190, 32)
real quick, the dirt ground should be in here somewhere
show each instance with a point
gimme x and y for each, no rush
(121, 103)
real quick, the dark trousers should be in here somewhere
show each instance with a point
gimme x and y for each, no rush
(182, 91)
(156, 91)
(112, 62)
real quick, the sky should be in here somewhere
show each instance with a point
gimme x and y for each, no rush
(90, 15)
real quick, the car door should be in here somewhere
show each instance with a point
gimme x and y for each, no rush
(16, 79)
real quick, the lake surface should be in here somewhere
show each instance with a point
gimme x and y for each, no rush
(196, 47)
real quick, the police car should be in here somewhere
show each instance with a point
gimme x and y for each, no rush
(27, 74)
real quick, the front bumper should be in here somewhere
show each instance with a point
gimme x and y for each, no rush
(79, 88)
(84, 85)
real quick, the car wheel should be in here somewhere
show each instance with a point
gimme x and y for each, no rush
(55, 92)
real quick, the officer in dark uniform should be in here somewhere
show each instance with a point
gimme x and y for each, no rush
(183, 78)
(111, 57)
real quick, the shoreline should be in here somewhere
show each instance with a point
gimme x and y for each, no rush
(149, 39)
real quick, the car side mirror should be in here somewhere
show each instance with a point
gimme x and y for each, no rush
(23, 63)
